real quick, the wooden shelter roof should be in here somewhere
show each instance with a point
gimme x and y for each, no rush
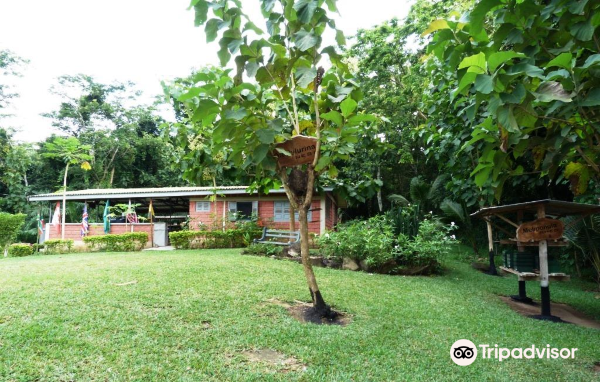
(556, 208)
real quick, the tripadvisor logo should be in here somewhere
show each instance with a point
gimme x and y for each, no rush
(464, 352)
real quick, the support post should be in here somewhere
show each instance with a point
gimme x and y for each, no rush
(522, 296)
(544, 280)
(492, 270)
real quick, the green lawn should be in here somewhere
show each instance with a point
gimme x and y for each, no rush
(191, 314)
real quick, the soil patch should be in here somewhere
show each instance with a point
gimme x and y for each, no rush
(565, 312)
(301, 311)
(597, 367)
(273, 360)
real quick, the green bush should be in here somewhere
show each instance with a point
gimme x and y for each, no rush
(125, 242)
(263, 250)
(9, 227)
(374, 242)
(426, 249)
(58, 246)
(20, 250)
(371, 240)
(233, 238)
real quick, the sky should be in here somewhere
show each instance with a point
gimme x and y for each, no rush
(143, 41)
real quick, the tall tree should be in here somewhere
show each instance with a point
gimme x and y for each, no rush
(88, 104)
(288, 94)
(9, 67)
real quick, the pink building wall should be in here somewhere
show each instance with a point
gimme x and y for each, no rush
(73, 230)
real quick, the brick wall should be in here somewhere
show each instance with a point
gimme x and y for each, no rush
(73, 230)
(265, 215)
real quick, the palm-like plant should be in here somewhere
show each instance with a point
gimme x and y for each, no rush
(459, 212)
(71, 152)
(585, 236)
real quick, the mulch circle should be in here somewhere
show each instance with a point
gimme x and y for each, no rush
(302, 312)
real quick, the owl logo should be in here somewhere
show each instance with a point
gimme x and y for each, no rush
(463, 352)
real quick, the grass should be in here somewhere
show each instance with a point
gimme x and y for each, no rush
(192, 313)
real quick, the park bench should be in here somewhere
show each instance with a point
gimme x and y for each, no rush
(277, 237)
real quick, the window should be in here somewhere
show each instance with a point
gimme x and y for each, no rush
(242, 210)
(281, 212)
(202, 206)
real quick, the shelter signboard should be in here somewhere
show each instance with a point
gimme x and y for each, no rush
(302, 149)
(540, 229)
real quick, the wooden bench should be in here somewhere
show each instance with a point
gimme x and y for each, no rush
(270, 236)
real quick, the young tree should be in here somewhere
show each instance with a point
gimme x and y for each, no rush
(71, 152)
(287, 94)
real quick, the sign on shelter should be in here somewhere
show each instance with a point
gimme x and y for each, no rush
(302, 149)
(540, 229)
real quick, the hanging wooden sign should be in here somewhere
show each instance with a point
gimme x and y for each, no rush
(302, 148)
(540, 229)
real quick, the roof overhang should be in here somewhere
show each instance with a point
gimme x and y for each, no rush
(557, 208)
(155, 193)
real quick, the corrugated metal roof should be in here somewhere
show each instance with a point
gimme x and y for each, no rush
(125, 193)
(552, 207)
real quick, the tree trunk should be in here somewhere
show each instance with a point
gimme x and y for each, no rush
(379, 197)
(319, 306)
(64, 201)
(292, 218)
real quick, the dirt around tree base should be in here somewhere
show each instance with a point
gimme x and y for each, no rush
(304, 312)
(563, 311)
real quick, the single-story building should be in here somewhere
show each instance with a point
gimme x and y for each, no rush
(175, 205)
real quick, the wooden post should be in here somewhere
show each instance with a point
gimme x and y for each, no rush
(492, 270)
(151, 225)
(544, 282)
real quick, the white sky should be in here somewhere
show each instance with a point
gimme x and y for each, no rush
(144, 41)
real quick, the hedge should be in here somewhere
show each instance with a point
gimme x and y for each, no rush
(20, 250)
(233, 238)
(125, 242)
(9, 227)
(58, 246)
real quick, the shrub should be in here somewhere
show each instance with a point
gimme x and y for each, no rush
(263, 250)
(9, 227)
(371, 240)
(233, 238)
(426, 249)
(58, 246)
(20, 250)
(125, 242)
(374, 242)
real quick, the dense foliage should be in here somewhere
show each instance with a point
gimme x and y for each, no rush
(375, 245)
(9, 227)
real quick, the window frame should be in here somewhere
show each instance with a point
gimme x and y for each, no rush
(283, 216)
(202, 209)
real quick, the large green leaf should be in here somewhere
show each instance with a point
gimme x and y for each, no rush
(435, 26)
(484, 84)
(477, 16)
(348, 106)
(583, 30)
(506, 119)
(260, 153)
(476, 60)
(201, 11)
(530, 70)
(304, 76)
(305, 40)
(266, 136)
(552, 91)
(499, 58)
(562, 61)
(236, 114)
(333, 116)
(305, 9)
(592, 98)
(594, 59)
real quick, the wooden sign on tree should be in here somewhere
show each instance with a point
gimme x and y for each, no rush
(540, 229)
(302, 149)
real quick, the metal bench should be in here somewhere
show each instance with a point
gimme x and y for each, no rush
(278, 237)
